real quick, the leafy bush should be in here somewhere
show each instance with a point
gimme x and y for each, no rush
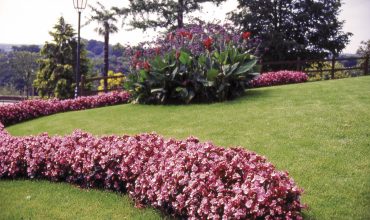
(279, 78)
(10, 114)
(181, 77)
(186, 178)
(115, 83)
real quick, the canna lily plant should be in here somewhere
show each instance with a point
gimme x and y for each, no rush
(181, 77)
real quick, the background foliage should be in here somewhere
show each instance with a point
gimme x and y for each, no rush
(56, 76)
(293, 28)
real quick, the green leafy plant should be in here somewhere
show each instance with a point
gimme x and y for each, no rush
(180, 77)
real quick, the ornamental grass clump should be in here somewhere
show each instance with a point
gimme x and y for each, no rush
(279, 78)
(183, 178)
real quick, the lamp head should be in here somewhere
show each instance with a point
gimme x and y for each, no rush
(79, 4)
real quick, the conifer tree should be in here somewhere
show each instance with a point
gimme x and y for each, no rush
(56, 77)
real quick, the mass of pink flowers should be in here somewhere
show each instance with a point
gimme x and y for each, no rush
(11, 114)
(185, 178)
(279, 78)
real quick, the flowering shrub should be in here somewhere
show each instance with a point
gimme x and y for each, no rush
(188, 179)
(10, 114)
(279, 78)
(113, 83)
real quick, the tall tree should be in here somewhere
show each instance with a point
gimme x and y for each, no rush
(56, 77)
(293, 28)
(163, 13)
(106, 20)
(25, 66)
(364, 49)
(9, 79)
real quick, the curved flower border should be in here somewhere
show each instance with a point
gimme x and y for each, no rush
(184, 178)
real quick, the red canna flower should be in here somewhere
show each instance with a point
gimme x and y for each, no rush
(170, 37)
(190, 36)
(246, 35)
(157, 50)
(138, 65)
(183, 33)
(177, 55)
(186, 34)
(208, 43)
(227, 39)
(138, 54)
(146, 66)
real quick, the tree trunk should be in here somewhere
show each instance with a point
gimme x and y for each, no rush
(106, 56)
(180, 14)
(27, 83)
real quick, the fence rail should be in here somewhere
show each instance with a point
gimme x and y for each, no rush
(302, 65)
(87, 92)
(11, 99)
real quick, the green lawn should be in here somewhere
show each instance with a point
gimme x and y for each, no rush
(319, 132)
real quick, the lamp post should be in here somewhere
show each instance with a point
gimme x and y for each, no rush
(79, 5)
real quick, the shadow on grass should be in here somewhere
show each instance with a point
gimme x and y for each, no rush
(54, 184)
(308, 216)
(250, 94)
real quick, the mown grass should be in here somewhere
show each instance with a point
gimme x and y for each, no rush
(43, 200)
(319, 132)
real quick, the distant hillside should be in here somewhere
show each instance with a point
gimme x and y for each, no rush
(6, 47)
(95, 48)
(20, 47)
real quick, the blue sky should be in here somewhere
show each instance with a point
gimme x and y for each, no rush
(29, 21)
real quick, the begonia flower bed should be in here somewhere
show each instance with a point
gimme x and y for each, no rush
(11, 114)
(279, 78)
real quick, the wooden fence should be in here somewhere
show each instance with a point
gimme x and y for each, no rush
(303, 65)
(11, 99)
(85, 81)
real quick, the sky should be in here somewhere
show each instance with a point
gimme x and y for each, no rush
(29, 21)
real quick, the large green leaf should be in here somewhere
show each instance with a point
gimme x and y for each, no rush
(162, 90)
(184, 58)
(246, 67)
(142, 75)
(202, 60)
(174, 73)
(231, 69)
(212, 74)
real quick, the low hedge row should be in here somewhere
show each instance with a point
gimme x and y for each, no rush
(186, 178)
(11, 114)
(279, 78)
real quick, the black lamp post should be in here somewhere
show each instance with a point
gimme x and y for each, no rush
(79, 6)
